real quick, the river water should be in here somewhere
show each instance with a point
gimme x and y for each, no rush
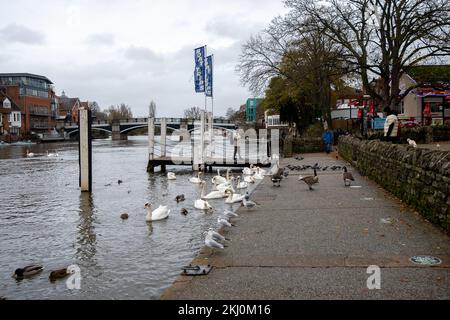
(45, 219)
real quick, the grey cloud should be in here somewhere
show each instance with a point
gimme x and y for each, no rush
(140, 53)
(14, 33)
(232, 27)
(100, 39)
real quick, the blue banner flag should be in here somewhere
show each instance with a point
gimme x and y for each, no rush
(199, 73)
(209, 76)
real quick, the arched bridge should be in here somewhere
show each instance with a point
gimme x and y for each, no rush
(120, 129)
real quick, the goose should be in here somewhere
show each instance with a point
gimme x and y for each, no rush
(412, 143)
(232, 197)
(124, 216)
(159, 214)
(241, 185)
(58, 274)
(30, 154)
(216, 236)
(179, 198)
(171, 176)
(197, 179)
(211, 243)
(202, 205)
(277, 177)
(212, 195)
(310, 180)
(347, 177)
(27, 271)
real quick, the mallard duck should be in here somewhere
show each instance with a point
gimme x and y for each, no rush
(119, 181)
(58, 274)
(347, 177)
(184, 211)
(161, 213)
(27, 271)
(310, 180)
(124, 216)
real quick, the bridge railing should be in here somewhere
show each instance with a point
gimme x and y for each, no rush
(157, 121)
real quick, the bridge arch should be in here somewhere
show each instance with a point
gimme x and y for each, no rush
(127, 130)
(93, 128)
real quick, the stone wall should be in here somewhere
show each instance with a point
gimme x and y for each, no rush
(421, 135)
(420, 177)
(302, 145)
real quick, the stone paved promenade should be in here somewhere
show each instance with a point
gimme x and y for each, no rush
(301, 244)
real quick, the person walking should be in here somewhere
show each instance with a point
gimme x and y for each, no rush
(328, 138)
(236, 143)
(390, 125)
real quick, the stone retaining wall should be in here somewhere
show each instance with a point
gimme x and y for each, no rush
(420, 177)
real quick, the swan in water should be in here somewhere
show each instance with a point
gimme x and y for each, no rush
(213, 194)
(249, 179)
(259, 175)
(49, 154)
(159, 214)
(248, 171)
(30, 154)
(232, 197)
(224, 186)
(202, 205)
(241, 185)
(219, 179)
(171, 176)
(197, 179)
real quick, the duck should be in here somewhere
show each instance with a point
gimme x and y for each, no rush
(241, 185)
(412, 143)
(232, 197)
(124, 216)
(27, 271)
(119, 182)
(184, 211)
(171, 176)
(310, 180)
(202, 205)
(30, 154)
(179, 198)
(196, 180)
(58, 274)
(212, 195)
(347, 177)
(161, 213)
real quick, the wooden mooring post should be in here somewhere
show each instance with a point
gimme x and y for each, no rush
(151, 144)
(85, 149)
(163, 141)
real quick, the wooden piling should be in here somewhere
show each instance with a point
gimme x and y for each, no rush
(85, 149)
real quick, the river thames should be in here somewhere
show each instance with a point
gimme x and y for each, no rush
(45, 219)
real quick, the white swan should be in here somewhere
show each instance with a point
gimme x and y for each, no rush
(213, 194)
(249, 179)
(159, 214)
(52, 154)
(197, 179)
(219, 179)
(241, 185)
(202, 205)
(30, 154)
(232, 197)
(171, 176)
(258, 175)
(224, 186)
(248, 171)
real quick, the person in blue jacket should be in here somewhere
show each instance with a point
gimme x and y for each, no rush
(328, 140)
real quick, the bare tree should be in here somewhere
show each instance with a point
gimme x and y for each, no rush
(193, 113)
(380, 38)
(119, 112)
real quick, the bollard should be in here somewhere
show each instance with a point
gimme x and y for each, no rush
(85, 149)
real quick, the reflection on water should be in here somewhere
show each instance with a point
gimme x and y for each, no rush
(45, 219)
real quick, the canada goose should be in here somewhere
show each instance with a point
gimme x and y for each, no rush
(347, 177)
(124, 216)
(184, 211)
(412, 143)
(27, 271)
(162, 212)
(119, 181)
(310, 180)
(58, 274)
(179, 198)
(277, 177)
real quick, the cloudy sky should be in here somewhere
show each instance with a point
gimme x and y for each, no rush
(115, 51)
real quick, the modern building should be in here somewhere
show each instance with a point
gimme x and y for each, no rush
(35, 97)
(251, 109)
(10, 119)
(429, 101)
